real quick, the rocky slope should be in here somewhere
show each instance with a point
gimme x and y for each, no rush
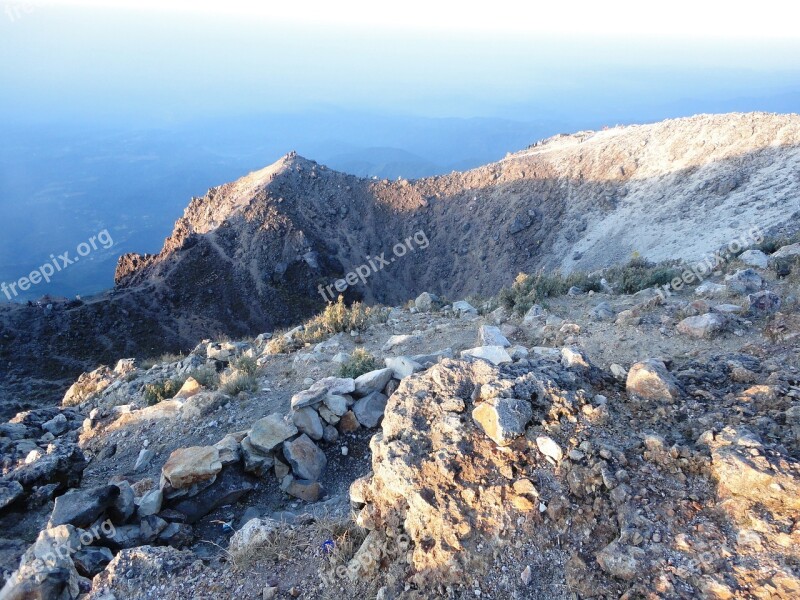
(605, 446)
(250, 255)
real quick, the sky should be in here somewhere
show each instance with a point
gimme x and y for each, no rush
(174, 59)
(113, 113)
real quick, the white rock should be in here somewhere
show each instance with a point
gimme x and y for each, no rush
(549, 448)
(497, 355)
(490, 335)
(754, 258)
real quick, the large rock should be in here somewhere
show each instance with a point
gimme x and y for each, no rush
(497, 355)
(369, 409)
(745, 471)
(307, 398)
(462, 307)
(503, 419)
(489, 335)
(186, 467)
(710, 289)
(270, 432)
(125, 505)
(650, 380)
(427, 302)
(306, 459)
(754, 258)
(702, 326)
(402, 366)
(229, 488)
(256, 462)
(307, 421)
(787, 251)
(81, 508)
(10, 492)
(374, 381)
(763, 302)
(91, 560)
(744, 281)
(603, 312)
(623, 562)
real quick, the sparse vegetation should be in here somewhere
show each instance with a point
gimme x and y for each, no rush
(163, 390)
(278, 345)
(360, 362)
(205, 376)
(234, 382)
(528, 290)
(169, 357)
(245, 364)
(638, 274)
(337, 317)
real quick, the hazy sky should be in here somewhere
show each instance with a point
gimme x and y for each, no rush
(175, 59)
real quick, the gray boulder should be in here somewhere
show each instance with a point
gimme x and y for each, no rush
(369, 410)
(81, 508)
(305, 458)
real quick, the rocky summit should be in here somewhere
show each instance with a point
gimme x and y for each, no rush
(547, 396)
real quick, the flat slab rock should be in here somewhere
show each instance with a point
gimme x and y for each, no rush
(188, 466)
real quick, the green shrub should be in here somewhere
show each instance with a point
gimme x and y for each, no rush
(360, 362)
(205, 376)
(234, 382)
(528, 290)
(163, 390)
(336, 318)
(245, 364)
(640, 274)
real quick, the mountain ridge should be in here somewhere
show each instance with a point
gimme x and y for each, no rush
(250, 255)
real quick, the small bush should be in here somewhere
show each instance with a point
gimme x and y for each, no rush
(234, 382)
(205, 376)
(163, 390)
(277, 345)
(528, 290)
(640, 274)
(245, 364)
(360, 362)
(336, 318)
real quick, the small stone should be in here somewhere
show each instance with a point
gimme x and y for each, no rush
(143, 460)
(526, 575)
(503, 419)
(650, 380)
(549, 448)
(348, 423)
